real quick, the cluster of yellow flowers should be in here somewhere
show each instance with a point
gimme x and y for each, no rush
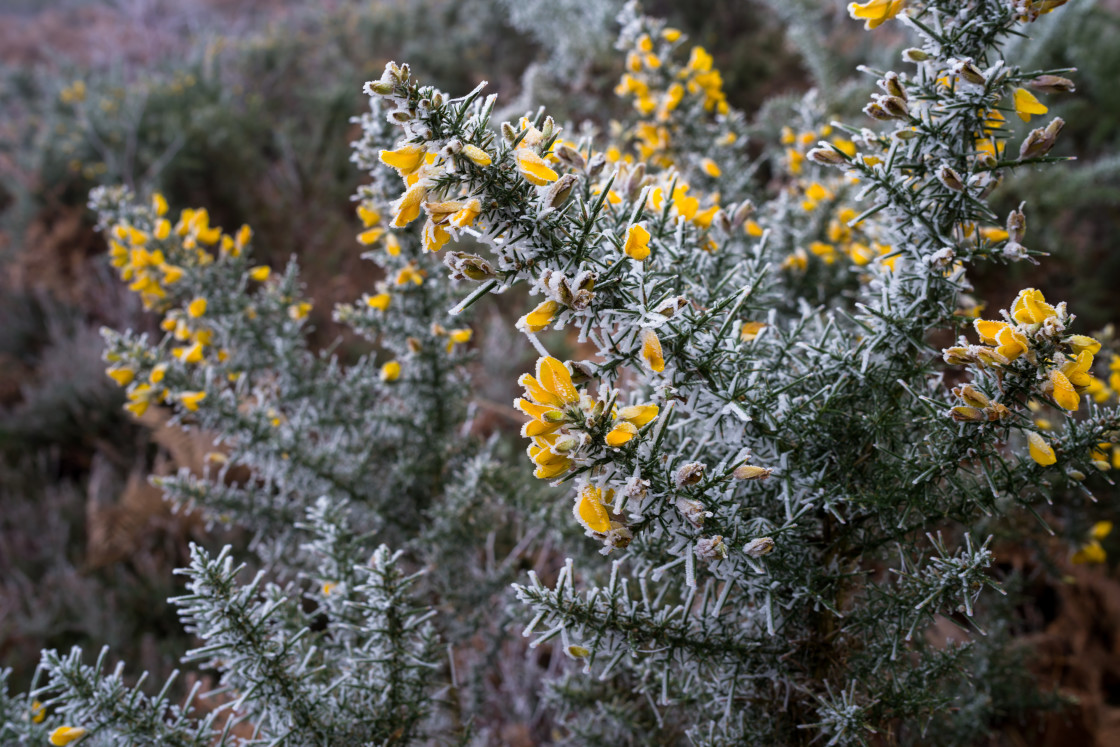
(420, 169)
(658, 89)
(1091, 552)
(566, 421)
(150, 258)
(152, 255)
(659, 86)
(567, 425)
(1033, 331)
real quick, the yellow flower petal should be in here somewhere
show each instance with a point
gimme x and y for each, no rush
(123, 375)
(405, 159)
(533, 168)
(477, 155)
(370, 236)
(539, 318)
(1040, 451)
(391, 371)
(1030, 307)
(1064, 393)
(555, 378)
(190, 400)
(590, 511)
(651, 350)
(64, 735)
(379, 301)
(260, 273)
(1101, 530)
(622, 432)
(1026, 105)
(639, 415)
(407, 207)
(637, 242)
(197, 307)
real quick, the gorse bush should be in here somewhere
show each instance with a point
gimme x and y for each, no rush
(786, 423)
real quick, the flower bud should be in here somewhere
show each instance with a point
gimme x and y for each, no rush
(1016, 224)
(957, 356)
(465, 266)
(744, 211)
(950, 178)
(826, 156)
(509, 133)
(634, 181)
(689, 474)
(693, 511)
(379, 88)
(895, 107)
(560, 190)
(1052, 84)
(570, 156)
(876, 111)
(893, 86)
(756, 548)
(914, 55)
(971, 396)
(963, 414)
(751, 472)
(598, 161)
(711, 548)
(967, 70)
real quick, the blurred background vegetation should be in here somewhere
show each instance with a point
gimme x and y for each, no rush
(245, 106)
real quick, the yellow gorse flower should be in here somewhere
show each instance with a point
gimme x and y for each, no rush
(875, 12)
(539, 318)
(651, 350)
(64, 735)
(123, 375)
(1026, 105)
(533, 168)
(590, 510)
(1030, 307)
(477, 155)
(406, 159)
(391, 371)
(191, 400)
(407, 207)
(197, 307)
(637, 242)
(1040, 451)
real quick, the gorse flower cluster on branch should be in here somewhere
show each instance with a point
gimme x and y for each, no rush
(792, 480)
